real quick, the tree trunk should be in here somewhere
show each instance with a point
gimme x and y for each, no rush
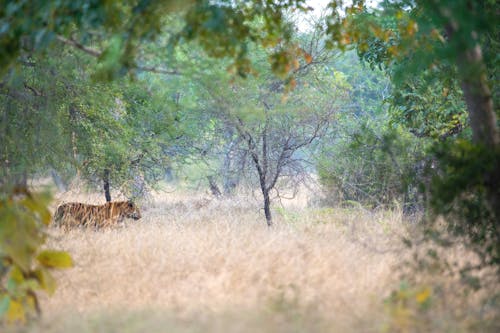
(73, 117)
(267, 207)
(213, 187)
(169, 174)
(264, 177)
(21, 180)
(228, 182)
(482, 115)
(139, 189)
(478, 98)
(265, 191)
(61, 186)
(105, 179)
(75, 153)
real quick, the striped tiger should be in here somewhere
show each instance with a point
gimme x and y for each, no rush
(75, 214)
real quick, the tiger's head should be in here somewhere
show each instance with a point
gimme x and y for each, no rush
(130, 210)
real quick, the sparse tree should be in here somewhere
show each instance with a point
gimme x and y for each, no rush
(272, 130)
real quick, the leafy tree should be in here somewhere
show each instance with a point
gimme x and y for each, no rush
(224, 29)
(429, 34)
(430, 103)
(450, 44)
(30, 126)
(68, 122)
(430, 107)
(272, 128)
(367, 156)
(370, 87)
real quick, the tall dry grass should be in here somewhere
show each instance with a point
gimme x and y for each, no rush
(192, 264)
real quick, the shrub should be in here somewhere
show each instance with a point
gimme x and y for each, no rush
(374, 165)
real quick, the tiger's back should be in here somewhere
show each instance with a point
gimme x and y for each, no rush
(75, 214)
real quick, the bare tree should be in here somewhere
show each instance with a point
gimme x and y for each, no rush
(266, 126)
(272, 131)
(274, 147)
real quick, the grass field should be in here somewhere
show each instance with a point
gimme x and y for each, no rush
(192, 264)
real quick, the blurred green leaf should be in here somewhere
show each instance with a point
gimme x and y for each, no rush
(55, 259)
(24, 217)
(16, 312)
(4, 304)
(47, 281)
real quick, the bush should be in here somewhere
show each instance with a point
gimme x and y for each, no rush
(374, 165)
(463, 190)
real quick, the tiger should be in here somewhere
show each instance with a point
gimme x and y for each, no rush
(75, 214)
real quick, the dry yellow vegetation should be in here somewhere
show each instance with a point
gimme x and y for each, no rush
(192, 264)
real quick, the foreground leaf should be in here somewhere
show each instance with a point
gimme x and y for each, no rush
(4, 305)
(56, 259)
(46, 280)
(16, 312)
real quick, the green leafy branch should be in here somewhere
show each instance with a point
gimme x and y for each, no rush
(24, 266)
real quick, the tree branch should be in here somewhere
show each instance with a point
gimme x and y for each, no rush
(157, 70)
(35, 92)
(97, 53)
(75, 44)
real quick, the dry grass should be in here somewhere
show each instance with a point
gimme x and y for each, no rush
(196, 265)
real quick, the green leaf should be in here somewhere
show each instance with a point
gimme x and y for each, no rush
(17, 242)
(57, 259)
(15, 279)
(30, 284)
(4, 305)
(16, 312)
(37, 204)
(31, 303)
(47, 281)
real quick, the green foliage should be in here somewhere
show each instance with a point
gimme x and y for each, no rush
(422, 46)
(223, 29)
(263, 109)
(372, 164)
(460, 191)
(229, 29)
(29, 126)
(124, 128)
(369, 87)
(410, 36)
(58, 118)
(35, 26)
(429, 105)
(370, 159)
(24, 266)
(428, 102)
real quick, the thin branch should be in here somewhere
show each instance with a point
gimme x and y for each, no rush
(157, 70)
(12, 93)
(35, 91)
(97, 53)
(75, 44)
